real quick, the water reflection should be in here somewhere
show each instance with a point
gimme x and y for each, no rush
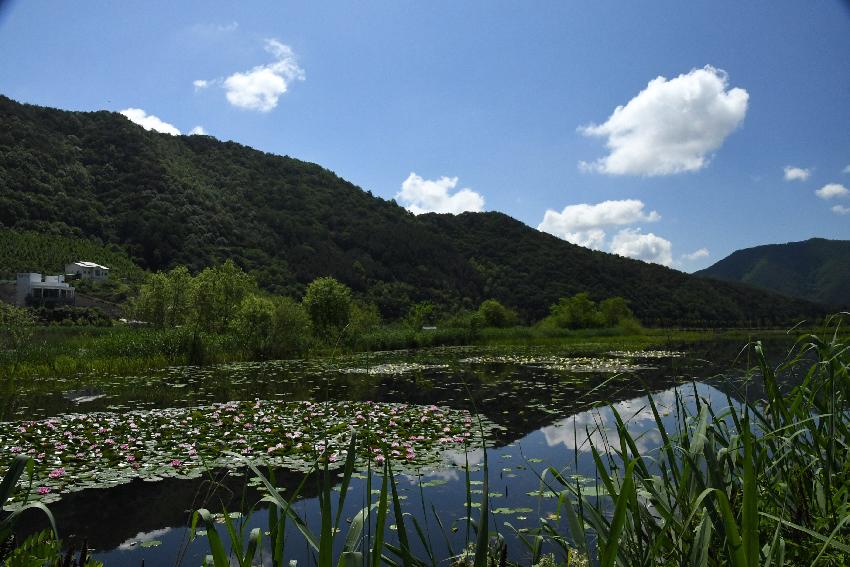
(547, 417)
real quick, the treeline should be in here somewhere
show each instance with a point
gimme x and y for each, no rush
(195, 201)
(225, 299)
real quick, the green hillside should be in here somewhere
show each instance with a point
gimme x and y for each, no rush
(193, 200)
(816, 269)
(27, 251)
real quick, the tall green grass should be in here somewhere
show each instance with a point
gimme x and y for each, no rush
(41, 548)
(8, 486)
(758, 483)
(57, 351)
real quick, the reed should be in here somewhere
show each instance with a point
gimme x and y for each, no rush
(760, 483)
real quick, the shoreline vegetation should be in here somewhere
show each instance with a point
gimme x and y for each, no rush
(124, 350)
(220, 315)
(750, 482)
(722, 490)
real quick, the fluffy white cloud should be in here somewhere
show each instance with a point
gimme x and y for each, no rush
(596, 427)
(201, 84)
(670, 126)
(632, 243)
(420, 195)
(149, 121)
(796, 173)
(593, 238)
(840, 210)
(197, 130)
(583, 224)
(831, 191)
(847, 169)
(260, 87)
(696, 254)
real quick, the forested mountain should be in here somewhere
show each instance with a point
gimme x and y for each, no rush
(28, 251)
(816, 269)
(194, 200)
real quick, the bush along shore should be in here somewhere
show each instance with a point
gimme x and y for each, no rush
(220, 315)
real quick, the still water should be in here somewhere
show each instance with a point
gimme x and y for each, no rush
(544, 408)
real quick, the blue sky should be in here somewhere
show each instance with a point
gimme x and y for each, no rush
(506, 106)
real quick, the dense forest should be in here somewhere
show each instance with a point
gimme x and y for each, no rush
(816, 269)
(195, 201)
(28, 251)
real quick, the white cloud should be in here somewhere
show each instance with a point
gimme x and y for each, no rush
(647, 247)
(796, 173)
(840, 210)
(593, 238)
(142, 537)
(583, 224)
(260, 87)
(831, 191)
(201, 84)
(197, 131)
(696, 254)
(149, 121)
(847, 169)
(596, 428)
(420, 195)
(670, 126)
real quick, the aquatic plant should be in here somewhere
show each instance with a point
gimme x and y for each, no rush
(761, 483)
(758, 483)
(76, 451)
(563, 363)
(9, 490)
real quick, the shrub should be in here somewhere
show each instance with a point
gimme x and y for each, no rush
(272, 328)
(328, 303)
(494, 314)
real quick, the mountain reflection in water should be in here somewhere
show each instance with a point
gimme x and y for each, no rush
(547, 417)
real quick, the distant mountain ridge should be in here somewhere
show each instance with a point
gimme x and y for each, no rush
(816, 270)
(194, 200)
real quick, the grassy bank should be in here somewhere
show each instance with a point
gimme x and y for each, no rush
(121, 349)
(65, 351)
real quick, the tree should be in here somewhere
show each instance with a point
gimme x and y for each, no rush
(181, 286)
(494, 314)
(254, 325)
(576, 312)
(419, 315)
(272, 327)
(152, 303)
(217, 293)
(365, 317)
(292, 329)
(614, 311)
(165, 299)
(328, 303)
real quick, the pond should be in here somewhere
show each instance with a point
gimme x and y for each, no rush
(123, 461)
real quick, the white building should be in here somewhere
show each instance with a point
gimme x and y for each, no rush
(87, 270)
(35, 289)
